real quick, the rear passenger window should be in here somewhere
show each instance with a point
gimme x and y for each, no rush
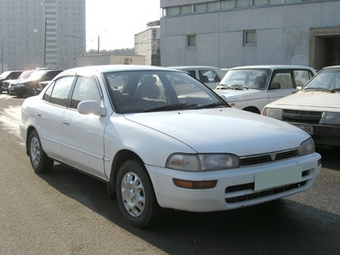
(58, 92)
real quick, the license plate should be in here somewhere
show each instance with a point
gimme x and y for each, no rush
(277, 177)
(306, 128)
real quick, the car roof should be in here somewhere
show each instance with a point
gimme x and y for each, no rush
(273, 67)
(112, 68)
(331, 67)
(193, 67)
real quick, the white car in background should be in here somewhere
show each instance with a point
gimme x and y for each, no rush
(250, 88)
(315, 109)
(147, 132)
(209, 75)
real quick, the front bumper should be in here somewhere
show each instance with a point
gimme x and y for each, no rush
(326, 135)
(236, 188)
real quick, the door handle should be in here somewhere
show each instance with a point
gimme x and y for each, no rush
(66, 122)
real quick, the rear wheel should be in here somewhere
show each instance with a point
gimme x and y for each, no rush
(136, 197)
(40, 162)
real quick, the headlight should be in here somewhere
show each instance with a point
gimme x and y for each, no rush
(273, 113)
(330, 118)
(202, 162)
(307, 147)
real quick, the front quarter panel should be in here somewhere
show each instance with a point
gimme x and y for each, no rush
(150, 145)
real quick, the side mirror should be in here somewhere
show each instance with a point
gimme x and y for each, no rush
(274, 85)
(89, 107)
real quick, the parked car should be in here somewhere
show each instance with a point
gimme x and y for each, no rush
(250, 88)
(8, 75)
(27, 87)
(10, 83)
(209, 75)
(315, 109)
(147, 132)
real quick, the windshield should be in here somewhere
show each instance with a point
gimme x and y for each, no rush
(4, 74)
(327, 80)
(25, 74)
(37, 74)
(245, 79)
(151, 91)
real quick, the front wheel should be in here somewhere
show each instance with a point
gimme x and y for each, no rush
(40, 162)
(136, 197)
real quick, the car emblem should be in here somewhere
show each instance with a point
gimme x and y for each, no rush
(273, 156)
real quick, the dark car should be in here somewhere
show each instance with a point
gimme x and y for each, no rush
(8, 75)
(28, 87)
(24, 75)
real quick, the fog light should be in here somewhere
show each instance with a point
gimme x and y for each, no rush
(195, 184)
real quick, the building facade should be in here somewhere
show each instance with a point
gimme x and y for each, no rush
(41, 33)
(243, 32)
(147, 43)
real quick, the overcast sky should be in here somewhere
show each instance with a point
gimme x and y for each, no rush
(117, 21)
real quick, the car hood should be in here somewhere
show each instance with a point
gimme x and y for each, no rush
(307, 100)
(231, 94)
(223, 130)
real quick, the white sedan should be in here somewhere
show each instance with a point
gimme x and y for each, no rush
(161, 139)
(250, 88)
(315, 109)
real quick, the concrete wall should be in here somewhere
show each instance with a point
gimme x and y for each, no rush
(147, 43)
(282, 31)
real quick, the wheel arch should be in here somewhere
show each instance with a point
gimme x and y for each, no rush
(253, 109)
(119, 159)
(28, 132)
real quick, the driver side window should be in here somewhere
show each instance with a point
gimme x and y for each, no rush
(85, 89)
(282, 80)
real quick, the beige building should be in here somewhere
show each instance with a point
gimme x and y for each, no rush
(106, 59)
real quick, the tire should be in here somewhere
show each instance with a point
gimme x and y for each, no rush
(40, 162)
(135, 195)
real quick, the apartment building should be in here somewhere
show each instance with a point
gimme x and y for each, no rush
(242, 32)
(41, 33)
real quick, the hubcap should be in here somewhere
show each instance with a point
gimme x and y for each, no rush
(133, 195)
(35, 151)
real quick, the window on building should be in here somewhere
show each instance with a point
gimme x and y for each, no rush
(200, 7)
(226, 5)
(172, 11)
(275, 1)
(212, 6)
(249, 37)
(260, 2)
(191, 40)
(242, 3)
(185, 9)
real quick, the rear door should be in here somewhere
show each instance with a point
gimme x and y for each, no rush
(49, 117)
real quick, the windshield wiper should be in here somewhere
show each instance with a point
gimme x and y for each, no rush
(320, 89)
(172, 107)
(213, 105)
(237, 87)
(222, 86)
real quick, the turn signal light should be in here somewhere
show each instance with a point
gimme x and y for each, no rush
(195, 184)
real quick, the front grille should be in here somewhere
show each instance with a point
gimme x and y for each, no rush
(308, 117)
(245, 192)
(268, 157)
